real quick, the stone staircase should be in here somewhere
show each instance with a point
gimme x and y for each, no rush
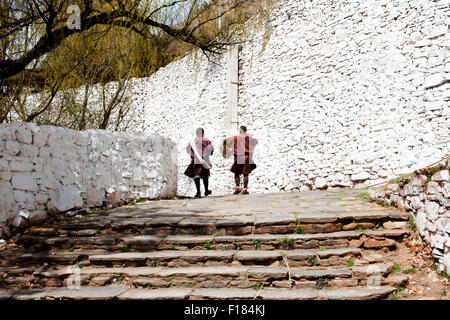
(313, 245)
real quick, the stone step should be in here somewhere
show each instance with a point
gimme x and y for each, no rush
(124, 293)
(182, 242)
(275, 294)
(304, 222)
(44, 243)
(246, 242)
(342, 239)
(212, 257)
(218, 276)
(66, 258)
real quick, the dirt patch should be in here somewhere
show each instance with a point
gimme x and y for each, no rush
(413, 259)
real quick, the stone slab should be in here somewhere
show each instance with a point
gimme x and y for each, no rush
(317, 217)
(31, 294)
(88, 293)
(156, 294)
(319, 273)
(202, 271)
(369, 215)
(235, 221)
(118, 257)
(223, 294)
(258, 255)
(288, 294)
(274, 219)
(355, 294)
(267, 273)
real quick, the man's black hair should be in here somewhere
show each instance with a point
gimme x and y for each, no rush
(243, 128)
(200, 131)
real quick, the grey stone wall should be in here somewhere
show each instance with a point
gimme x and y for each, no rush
(48, 169)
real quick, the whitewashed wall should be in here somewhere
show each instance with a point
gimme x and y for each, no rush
(339, 93)
(174, 102)
(343, 92)
(427, 198)
(48, 169)
(349, 91)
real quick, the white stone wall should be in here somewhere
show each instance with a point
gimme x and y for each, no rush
(175, 101)
(340, 93)
(429, 202)
(348, 91)
(50, 169)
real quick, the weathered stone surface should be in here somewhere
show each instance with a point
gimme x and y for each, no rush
(319, 273)
(196, 222)
(24, 181)
(65, 258)
(371, 243)
(355, 294)
(85, 293)
(80, 241)
(300, 254)
(268, 273)
(285, 294)
(387, 233)
(390, 225)
(187, 240)
(355, 225)
(327, 236)
(85, 225)
(197, 272)
(317, 217)
(163, 221)
(338, 252)
(119, 257)
(370, 215)
(220, 294)
(258, 255)
(235, 221)
(130, 272)
(321, 228)
(200, 255)
(129, 223)
(274, 219)
(143, 241)
(355, 243)
(373, 269)
(5, 295)
(395, 280)
(32, 294)
(156, 294)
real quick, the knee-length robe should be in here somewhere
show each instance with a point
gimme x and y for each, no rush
(243, 147)
(205, 149)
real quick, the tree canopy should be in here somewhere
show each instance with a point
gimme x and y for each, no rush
(48, 46)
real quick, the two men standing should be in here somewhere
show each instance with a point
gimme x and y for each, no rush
(241, 146)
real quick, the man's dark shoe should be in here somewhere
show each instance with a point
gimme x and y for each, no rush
(245, 191)
(198, 195)
(207, 193)
(237, 190)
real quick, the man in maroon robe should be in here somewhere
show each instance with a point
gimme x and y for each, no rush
(196, 170)
(243, 147)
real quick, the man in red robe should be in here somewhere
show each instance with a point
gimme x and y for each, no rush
(196, 169)
(243, 147)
